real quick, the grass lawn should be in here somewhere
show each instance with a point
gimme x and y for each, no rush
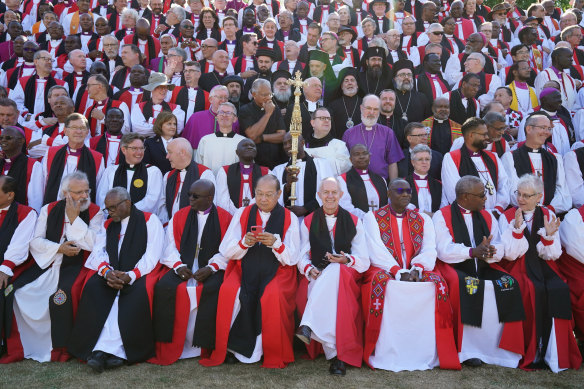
(301, 374)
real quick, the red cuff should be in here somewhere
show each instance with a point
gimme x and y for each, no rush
(517, 235)
(215, 266)
(352, 261)
(470, 253)
(137, 273)
(499, 209)
(281, 249)
(546, 242)
(394, 270)
(420, 266)
(242, 246)
(306, 268)
(9, 264)
(551, 208)
(176, 264)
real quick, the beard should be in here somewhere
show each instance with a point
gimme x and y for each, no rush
(368, 122)
(350, 91)
(403, 86)
(84, 205)
(234, 98)
(283, 97)
(374, 72)
(479, 144)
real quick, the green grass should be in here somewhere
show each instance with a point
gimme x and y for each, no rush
(301, 374)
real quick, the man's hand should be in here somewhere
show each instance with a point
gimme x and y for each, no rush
(4, 280)
(266, 239)
(68, 248)
(50, 121)
(93, 54)
(72, 208)
(551, 226)
(119, 67)
(269, 107)
(337, 258)
(485, 249)
(415, 275)
(291, 175)
(184, 273)
(405, 276)
(96, 113)
(518, 219)
(202, 274)
(123, 276)
(34, 143)
(250, 239)
(113, 281)
(314, 273)
(298, 210)
(160, 29)
(248, 74)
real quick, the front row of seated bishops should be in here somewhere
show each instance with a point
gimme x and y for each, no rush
(396, 289)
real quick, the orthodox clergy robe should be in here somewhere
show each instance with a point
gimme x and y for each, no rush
(46, 294)
(442, 133)
(426, 192)
(144, 117)
(173, 195)
(218, 149)
(200, 124)
(143, 182)
(571, 264)
(547, 328)
(62, 160)
(184, 311)
(412, 106)
(331, 149)
(17, 224)
(363, 191)
(574, 163)
(381, 143)
(236, 185)
(544, 164)
(112, 321)
(412, 319)
(486, 301)
(484, 165)
(255, 313)
(332, 309)
(30, 182)
(312, 172)
(346, 112)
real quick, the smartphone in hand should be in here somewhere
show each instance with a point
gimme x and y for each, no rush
(256, 230)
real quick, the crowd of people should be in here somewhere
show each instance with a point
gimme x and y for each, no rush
(150, 211)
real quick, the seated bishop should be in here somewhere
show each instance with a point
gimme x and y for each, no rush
(363, 190)
(184, 172)
(333, 257)
(185, 298)
(406, 303)
(46, 294)
(17, 225)
(142, 181)
(236, 182)
(114, 324)
(309, 172)
(486, 301)
(530, 236)
(255, 312)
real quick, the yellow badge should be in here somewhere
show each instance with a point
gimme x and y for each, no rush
(138, 183)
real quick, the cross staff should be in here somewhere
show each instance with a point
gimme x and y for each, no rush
(295, 127)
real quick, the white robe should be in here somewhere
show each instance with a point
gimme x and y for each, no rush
(335, 152)
(572, 235)
(576, 182)
(17, 249)
(222, 192)
(145, 127)
(31, 302)
(231, 247)
(217, 151)
(164, 216)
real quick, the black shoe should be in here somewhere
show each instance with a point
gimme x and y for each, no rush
(113, 362)
(304, 333)
(473, 362)
(97, 361)
(337, 367)
(230, 359)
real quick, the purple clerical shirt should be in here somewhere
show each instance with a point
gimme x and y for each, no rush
(200, 124)
(381, 143)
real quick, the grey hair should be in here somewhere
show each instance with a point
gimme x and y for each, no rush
(179, 12)
(379, 42)
(421, 148)
(331, 14)
(269, 177)
(121, 193)
(172, 37)
(465, 184)
(183, 144)
(493, 117)
(367, 20)
(218, 88)
(478, 56)
(533, 118)
(331, 178)
(110, 38)
(258, 83)
(271, 20)
(457, 1)
(287, 13)
(55, 87)
(531, 181)
(228, 104)
(131, 12)
(75, 176)
(371, 95)
(180, 51)
(38, 54)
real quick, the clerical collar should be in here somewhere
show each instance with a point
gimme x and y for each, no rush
(394, 213)
(245, 169)
(132, 89)
(110, 136)
(331, 214)
(220, 134)
(439, 120)
(206, 211)
(521, 85)
(532, 150)
(362, 172)
(88, 33)
(464, 210)
(420, 177)
(73, 152)
(473, 153)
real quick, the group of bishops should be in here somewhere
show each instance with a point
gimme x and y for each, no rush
(149, 209)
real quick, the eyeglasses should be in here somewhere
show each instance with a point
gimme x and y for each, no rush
(401, 191)
(324, 118)
(80, 192)
(30, 49)
(207, 47)
(419, 135)
(543, 127)
(133, 148)
(77, 128)
(46, 59)
(113, 208)
(438, 33)
(524, 196)
(405, 75)
(225, 113)
(189, 27)
(481, 195)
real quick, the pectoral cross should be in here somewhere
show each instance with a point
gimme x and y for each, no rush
(245, 201)
(490, 187)
(372, 205)
(538, 173)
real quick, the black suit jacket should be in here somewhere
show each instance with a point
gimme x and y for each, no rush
(294, 35)
(155, 154)
(405, 167)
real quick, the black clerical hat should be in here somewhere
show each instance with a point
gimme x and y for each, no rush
(266, 52)
(402, 64)
(375, 51)
(350, 30)
(279, 74)
(370, 7)
(232, 78)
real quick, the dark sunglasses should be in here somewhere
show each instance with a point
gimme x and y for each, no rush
(438, 33)
(30, 49)
(482, 195)
(401, 191)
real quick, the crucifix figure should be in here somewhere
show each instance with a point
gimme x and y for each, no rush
(372, 206)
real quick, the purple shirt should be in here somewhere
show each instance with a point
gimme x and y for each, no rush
(200, 124)
(381, 143)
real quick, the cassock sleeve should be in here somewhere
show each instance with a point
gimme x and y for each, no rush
(36, 187)
(143, 127)
(222, 192)
(347, 202)
(562, 201)
(452, 70)
(379, 256)
(503, 189)
(575, 183)
(105, 184)
(450, 177)
(151, 201)
(170, 256)
(342, 157)
(304, 264)
(82, 234)
(359, 254)
(153, 249)
(43, 250)
(514, 242)
(17, 94)
(208, 175)
(549, 248)
(572, 235)
(17, 251)
(540, 81)
(426, 258)
(126, 111)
